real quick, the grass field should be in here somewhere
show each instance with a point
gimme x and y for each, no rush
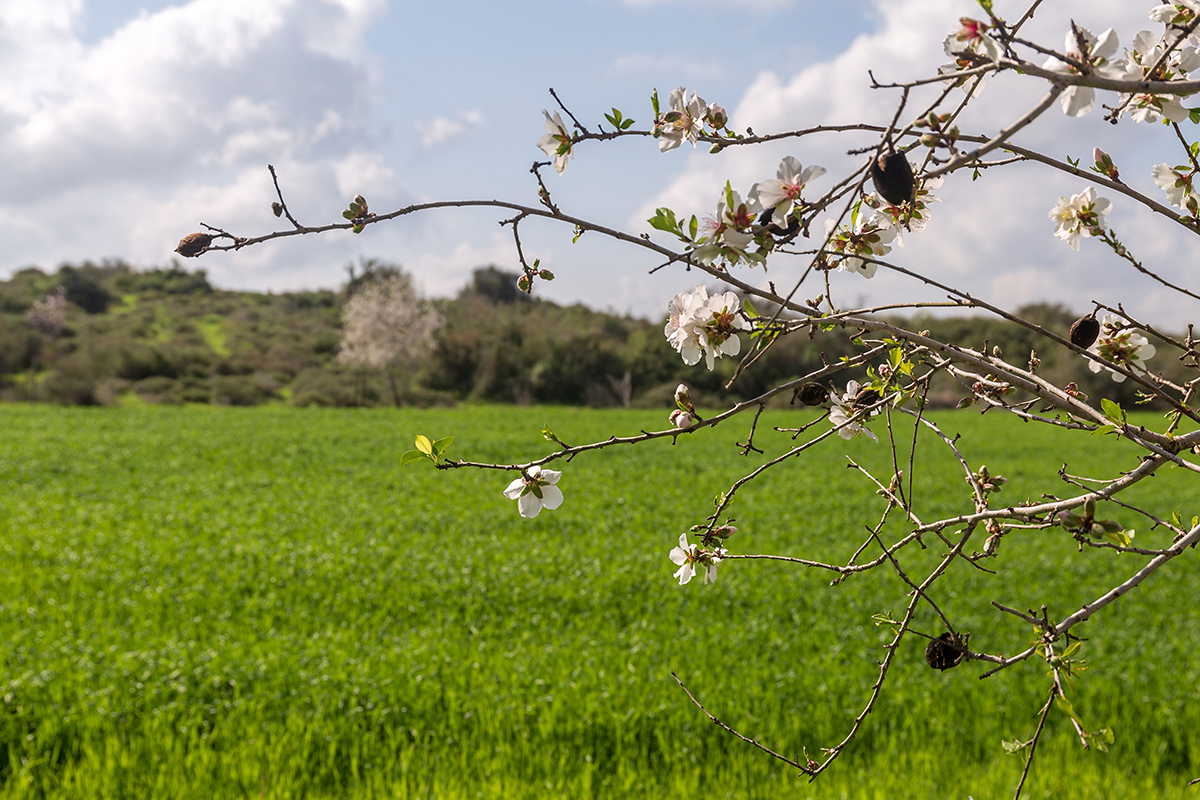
(201, 602)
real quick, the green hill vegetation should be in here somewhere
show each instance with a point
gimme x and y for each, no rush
(167, 336)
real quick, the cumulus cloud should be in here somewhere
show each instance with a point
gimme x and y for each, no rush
(442, 129)
(990, 237)
(175, 115)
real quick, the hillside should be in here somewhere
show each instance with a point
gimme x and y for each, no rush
(167, 336)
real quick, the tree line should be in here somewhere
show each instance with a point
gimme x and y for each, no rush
(167, 335)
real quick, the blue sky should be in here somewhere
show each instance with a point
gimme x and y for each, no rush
(128, 123)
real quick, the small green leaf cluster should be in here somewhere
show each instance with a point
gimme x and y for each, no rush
(435, 451)
(357, 213)
(1086, 525)
(622, 123)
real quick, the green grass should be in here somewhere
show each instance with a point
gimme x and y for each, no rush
(203, 602)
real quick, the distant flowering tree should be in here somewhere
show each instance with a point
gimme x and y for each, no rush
(842, 229)
(387, 327)
(47, 317)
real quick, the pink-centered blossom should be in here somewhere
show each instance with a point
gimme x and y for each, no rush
(783, 192)
(730, 234)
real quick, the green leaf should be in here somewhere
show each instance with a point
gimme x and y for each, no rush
(1014, 745)
(664, 220)
(1113, 411)
(441, 446)
(1106, 429)
(348, 214)
(626, 124)
(693, 227)
(1065, 706)
(654, 102)
(751, 311)
(411, 456)
(424, 445)
(1194, 115)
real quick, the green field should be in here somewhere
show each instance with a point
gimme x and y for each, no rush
(205, 602)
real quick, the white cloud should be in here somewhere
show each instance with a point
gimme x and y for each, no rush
(442, 129)
(127, 144)
(991, 237)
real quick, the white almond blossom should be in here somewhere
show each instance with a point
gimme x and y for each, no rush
(1079, 100)
(1081, 215)
(1147, 50)
(730, 233)
(536, 491)
(783, 193)
(843, 411)
(702, 325)
(1178, 185)
(556, 143)
(1118, 344)
(683, 120)
(972, 37)
(871, 240)
(911, 217)
(1179, 15)
(690, 558)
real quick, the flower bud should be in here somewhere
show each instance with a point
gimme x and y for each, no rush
(277, 209)
(724, 532)
(546, 275)
(1068, 520)
(683, 396)
(682, 419)
(1089, 508)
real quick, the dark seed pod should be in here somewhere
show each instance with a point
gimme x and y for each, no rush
(943, 652)
(193, 244)
(766, 220)
(894, 178)
(811, 394)
(1084, 332)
